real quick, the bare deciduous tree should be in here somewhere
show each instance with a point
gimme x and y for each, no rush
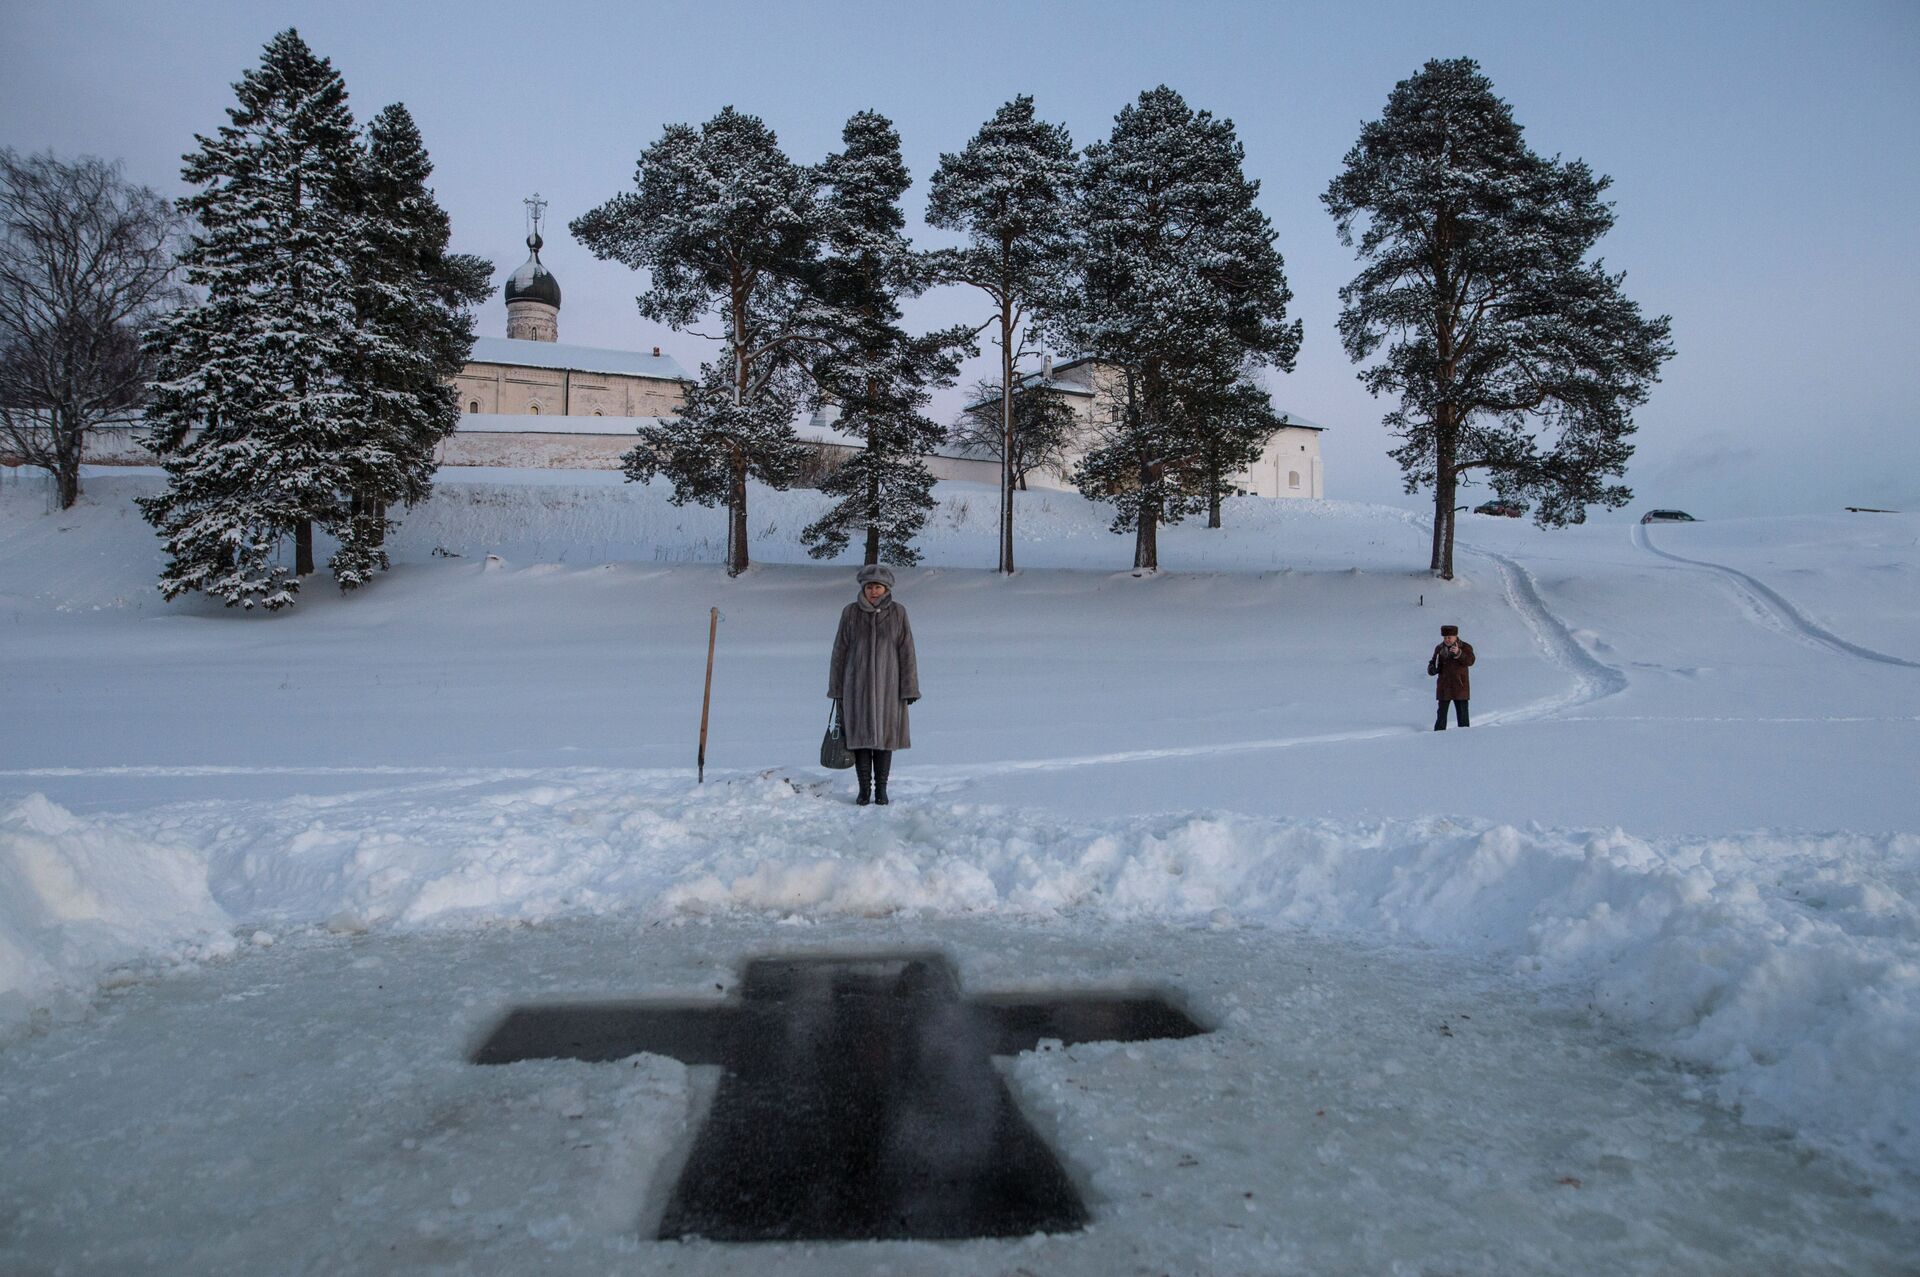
(1044, 428)
(86, 260)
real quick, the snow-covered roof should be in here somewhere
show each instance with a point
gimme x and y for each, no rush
(552, 354)
(1031, 381)
(527, 423)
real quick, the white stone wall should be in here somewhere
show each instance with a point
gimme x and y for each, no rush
(530, 451)
(514, 390)
(1290, 467)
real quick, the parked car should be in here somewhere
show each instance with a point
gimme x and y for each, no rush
(1667, 516)
(1506, 509)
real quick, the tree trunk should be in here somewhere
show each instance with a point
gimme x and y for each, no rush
(873, 485)
(737, 520)
(1213, 496)
(1006, 437)
(1445, 488)
(66, 441)
(1439, 525)
(1146, 538)
(303, 548)
(67, 479)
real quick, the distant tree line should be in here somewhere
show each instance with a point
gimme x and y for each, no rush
(300, 379)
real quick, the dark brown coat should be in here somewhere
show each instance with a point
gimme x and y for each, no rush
(1451, 684)
(874, 674)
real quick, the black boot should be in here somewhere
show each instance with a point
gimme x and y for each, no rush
(863, 768)
(882, 764)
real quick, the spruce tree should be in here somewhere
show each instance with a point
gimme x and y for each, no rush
(1510, 352)
(868, 365)
(412, 303)
(726, 224)
(1186, 296)
(1010, 191)
(248, 406)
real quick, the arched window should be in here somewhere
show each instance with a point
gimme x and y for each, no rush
(598, 413)
(534, 409)
(473, 405)
(1293, 478)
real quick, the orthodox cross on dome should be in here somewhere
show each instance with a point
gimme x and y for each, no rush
(858, 1100)
(536, 207)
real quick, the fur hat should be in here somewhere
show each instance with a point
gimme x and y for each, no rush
(876, 572)
(1449, 631)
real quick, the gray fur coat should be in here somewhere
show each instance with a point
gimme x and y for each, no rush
(873, 674)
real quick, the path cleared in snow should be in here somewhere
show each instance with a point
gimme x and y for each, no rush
(309, 1107)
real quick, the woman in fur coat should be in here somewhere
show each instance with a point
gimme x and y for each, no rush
(873, 678)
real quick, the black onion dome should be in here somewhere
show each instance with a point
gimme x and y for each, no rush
(533, 282)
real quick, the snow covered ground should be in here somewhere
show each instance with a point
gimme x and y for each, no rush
(1626, 978)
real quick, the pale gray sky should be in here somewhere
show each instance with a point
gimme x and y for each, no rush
(1763, 157)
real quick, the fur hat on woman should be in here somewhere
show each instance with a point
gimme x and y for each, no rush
(876, 572)
(1449, 631)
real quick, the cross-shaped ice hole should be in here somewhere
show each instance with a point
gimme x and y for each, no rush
(858, 1098)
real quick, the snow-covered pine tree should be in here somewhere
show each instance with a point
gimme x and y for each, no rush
(1185, 293)
(1010, 192)
(412, 300)
(869, 366)
(248, 405)
(1045, 427)
(1511, 352)
(725, 223)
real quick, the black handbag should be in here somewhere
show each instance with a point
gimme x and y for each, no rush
(833, 746)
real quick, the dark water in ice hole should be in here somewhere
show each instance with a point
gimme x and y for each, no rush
(859, 1099)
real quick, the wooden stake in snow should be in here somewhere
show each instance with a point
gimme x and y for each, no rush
(706, 697)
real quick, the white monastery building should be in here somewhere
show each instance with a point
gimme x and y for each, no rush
(528, 400)
(1289, 466)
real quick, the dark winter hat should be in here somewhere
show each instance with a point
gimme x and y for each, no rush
(1449, 630)
(876, 572)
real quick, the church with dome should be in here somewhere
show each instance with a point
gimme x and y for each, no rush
(529, 399)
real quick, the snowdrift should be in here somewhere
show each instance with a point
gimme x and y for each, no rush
(1786, 969)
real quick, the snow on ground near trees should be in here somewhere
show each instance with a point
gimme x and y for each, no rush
(1684, 821)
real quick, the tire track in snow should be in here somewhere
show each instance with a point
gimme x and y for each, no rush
(1769, 609)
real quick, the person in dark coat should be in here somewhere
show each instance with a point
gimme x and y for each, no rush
(1449, 664)
(873, 678)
